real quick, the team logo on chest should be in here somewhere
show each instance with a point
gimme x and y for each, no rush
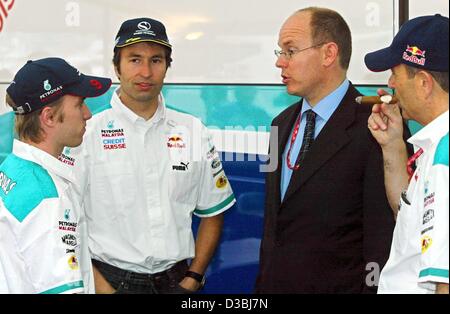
(176, 141)
(65, 158)
(67, 224)
(183, 166)
(69, 239)
(428, 216)
(113, 138)
(429, 197)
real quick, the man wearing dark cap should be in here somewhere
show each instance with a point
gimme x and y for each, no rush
(418, 58)
(147, 169)
(43, 235)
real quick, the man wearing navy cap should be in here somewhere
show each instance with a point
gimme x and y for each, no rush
(418, 58)
(147, 169)
(43, 235)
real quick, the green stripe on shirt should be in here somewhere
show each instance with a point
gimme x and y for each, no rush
(64, 288)
(434, 272)
(202, 212)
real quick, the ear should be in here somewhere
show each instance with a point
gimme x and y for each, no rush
(48, 118)
(330, 53)
(424, 83)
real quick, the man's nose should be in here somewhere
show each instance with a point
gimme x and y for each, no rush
(86, 112)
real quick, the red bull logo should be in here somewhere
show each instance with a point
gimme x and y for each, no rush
(415, 51)
(414, 54)
(175, 141)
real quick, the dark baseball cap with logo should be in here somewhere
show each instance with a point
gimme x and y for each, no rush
(140, 30)
(41, 82)
(421, 43)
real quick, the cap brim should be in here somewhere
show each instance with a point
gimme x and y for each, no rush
(381, 60)
(121, 45)
(91, 86)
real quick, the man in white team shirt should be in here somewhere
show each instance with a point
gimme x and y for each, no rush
(43, 236)
(147, 169)
(418, 58)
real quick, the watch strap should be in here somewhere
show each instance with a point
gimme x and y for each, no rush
(198, 277)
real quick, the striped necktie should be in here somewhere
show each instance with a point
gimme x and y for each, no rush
(308, 136)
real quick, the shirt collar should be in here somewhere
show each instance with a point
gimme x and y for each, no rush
(431, 133)
(325, 108)
(119, 106)
(47, 161)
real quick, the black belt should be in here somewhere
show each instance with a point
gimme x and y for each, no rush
(181, 266)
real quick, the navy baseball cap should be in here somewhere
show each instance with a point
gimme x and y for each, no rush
(139, 30)
(421, 43)
(41, 82)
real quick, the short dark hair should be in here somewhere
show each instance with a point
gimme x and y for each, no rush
(328, 25)
(440, 77)
(117, 53)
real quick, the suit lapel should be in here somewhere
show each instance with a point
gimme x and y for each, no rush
(330, 141)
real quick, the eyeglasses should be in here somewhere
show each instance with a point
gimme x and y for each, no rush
(292, 51)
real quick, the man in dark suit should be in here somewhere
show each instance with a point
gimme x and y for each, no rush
(328, 225)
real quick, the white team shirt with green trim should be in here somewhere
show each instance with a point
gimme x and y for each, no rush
(43, 235)
(143, 181)
(420, 249)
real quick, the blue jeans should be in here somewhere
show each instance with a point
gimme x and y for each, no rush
(127, 282)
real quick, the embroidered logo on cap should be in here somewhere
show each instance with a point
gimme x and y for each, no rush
(47, 85)
(145, 26)
(415, 55)
(96, 84)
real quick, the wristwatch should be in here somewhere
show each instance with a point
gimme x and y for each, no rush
(201, 279)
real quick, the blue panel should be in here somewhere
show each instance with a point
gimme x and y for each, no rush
(235, 265)
(229, 105)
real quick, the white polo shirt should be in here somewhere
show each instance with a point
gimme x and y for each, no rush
(144, 180)
(43, 235)
(419, 252)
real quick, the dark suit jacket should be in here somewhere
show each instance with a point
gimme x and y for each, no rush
(335, 218)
